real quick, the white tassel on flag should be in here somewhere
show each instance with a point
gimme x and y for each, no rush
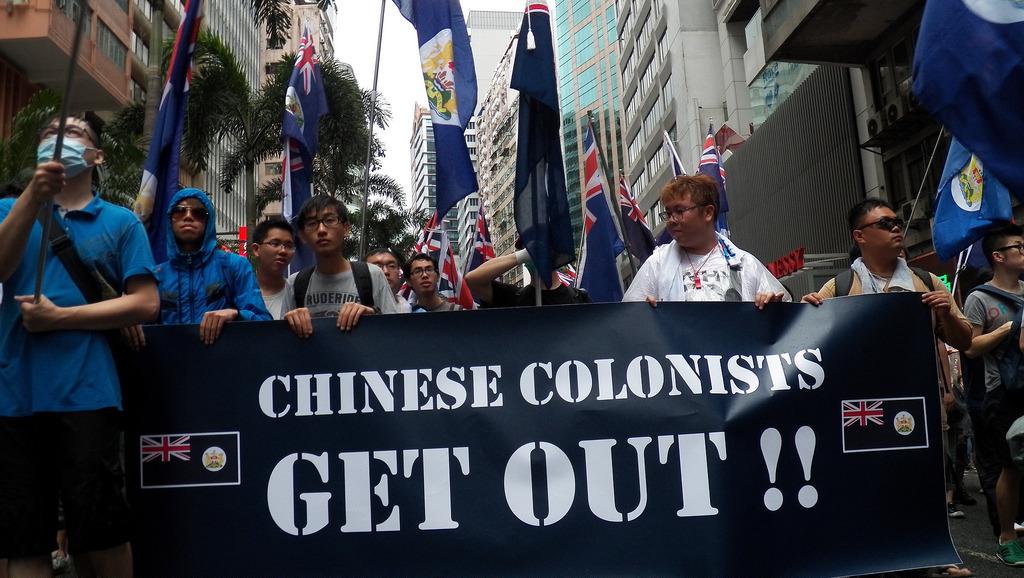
(531, 42)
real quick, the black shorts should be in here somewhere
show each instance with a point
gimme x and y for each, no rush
(1000, 410)
(75, 456)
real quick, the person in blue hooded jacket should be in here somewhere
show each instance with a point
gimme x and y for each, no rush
(200, 284)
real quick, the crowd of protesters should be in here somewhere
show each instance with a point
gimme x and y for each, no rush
(60, 397)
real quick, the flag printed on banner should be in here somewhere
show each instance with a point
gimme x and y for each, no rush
(878, 425)
(450, 79)
(968, 65)
(970, 200)
(483, 249)
(189, 460)
(541, 205)
(634, 226)
(599, 272)
(711, 164)
(160, 170)
(305, 102)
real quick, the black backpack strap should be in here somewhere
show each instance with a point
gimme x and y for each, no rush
(364, 283)
(64, 248)
(1017, 300)
(843, 283)
(302, 285)
(925, 277)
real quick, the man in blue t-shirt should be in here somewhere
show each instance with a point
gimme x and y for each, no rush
(60, 398)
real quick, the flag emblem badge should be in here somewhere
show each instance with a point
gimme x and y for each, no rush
(438, 59)
(879, 425)
(214, 459)
(967, 186)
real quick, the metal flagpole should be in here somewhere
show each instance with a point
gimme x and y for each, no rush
(65, 106)
(369, 142)
(621, 225)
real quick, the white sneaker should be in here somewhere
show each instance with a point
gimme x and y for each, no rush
(1018, 527)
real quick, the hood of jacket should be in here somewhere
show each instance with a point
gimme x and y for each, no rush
(174, 253)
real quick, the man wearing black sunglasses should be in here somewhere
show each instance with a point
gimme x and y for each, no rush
(199, 283)
(878, 232)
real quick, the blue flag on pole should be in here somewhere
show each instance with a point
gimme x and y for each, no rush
(970, 200)
(677, 171)
(160, 171)
(969, 74)
(450, 79)
(541, 205)
(634, 226)
(711, 165)
(305, 102)
(599, 273)
(482, 250)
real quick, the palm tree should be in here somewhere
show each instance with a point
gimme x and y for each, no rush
(277, 17)
(18, 153)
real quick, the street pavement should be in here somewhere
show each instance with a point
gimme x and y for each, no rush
(973, 537)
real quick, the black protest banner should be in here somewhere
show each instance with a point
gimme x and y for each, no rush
(692, 439)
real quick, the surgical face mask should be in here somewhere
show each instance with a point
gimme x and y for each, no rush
(72, 156)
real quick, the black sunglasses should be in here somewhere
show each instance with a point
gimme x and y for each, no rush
(179, 211)
(885, 224)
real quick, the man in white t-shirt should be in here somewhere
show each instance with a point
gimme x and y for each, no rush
(699, 264)
(392, 268)
(274, 247)
(335, 286)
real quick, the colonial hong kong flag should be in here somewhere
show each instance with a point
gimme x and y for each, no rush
(160, 171)
(968, 69)
(599, 272)
(541, 205)
(711, 164)
(450, 79)
(634, 226)
(304, 103)
(876, 425)
(184, 460)
(483, 249)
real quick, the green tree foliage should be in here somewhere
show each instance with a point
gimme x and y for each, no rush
(18, 153)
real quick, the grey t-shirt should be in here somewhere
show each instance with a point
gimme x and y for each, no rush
(327, 293)
(989, 313)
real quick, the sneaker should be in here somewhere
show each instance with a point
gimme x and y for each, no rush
(952, 512)
(1018, 527)
(1011, 553)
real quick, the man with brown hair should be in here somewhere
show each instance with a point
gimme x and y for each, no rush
(699, 264)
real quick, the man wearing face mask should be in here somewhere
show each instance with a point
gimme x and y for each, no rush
(199, 283)
(60, 398)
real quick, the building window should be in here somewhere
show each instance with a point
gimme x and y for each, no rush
(272, 169)
(122, 4)
(110, 46)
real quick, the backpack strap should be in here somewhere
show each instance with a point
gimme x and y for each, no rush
(64, 248)
(1017, 300)
(364, 283)
(843, 283)
(302, 285)
(925, 277)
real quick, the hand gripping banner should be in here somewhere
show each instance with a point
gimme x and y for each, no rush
(698, 439)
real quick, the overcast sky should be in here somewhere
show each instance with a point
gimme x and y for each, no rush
(399, 81)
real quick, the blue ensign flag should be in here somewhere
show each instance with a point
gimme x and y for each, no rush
(634, 226)
(677, 171)
(541, 205)
(969, 74)
(305, 102)
(599, 273)
(160, 171)
(711, 165)
(970, 200)
(450, 80)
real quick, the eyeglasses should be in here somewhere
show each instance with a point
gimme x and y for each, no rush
(422, 271)
(678, 212)
(885, 224)
(178, 213)
(275, 244)
(70, 130)
(1018, 246)
(330, 222)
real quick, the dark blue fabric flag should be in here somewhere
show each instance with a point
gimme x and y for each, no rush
(482, 250)
(970, 200)
(969, 74)
(305, 102)
(450, 79)
(160, 171)
(541, 205)
(711, 165)
(599, 273)
(634, 226)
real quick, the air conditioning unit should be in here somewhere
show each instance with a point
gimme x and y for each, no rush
(905, 211)
(895, 111)
(876, 124)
